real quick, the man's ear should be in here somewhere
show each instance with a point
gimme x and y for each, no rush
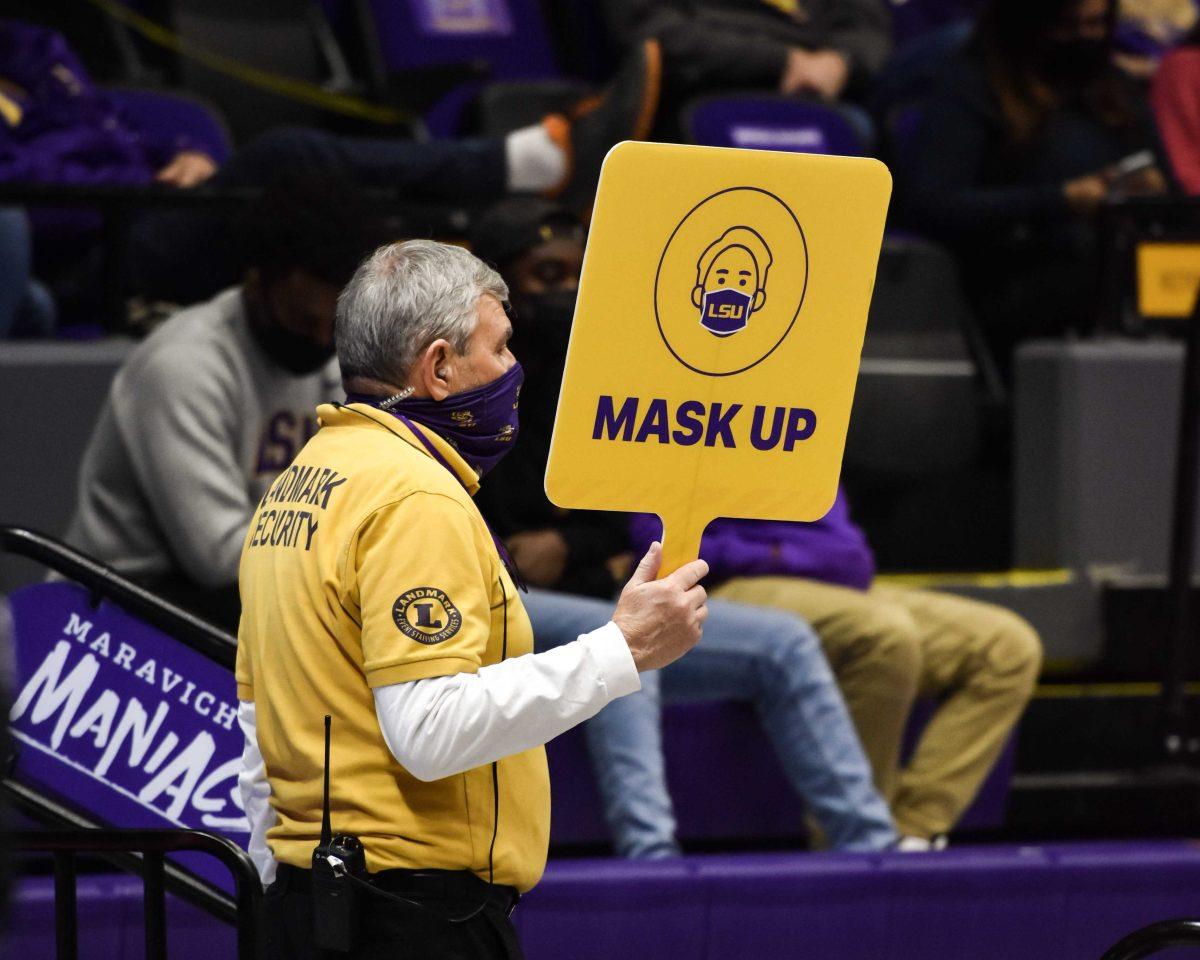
(430, 377)
(697, 295)
(760, 299)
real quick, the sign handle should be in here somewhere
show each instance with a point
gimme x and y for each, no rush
(680, 540)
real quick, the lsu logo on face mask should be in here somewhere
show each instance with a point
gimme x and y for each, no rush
(722, 271)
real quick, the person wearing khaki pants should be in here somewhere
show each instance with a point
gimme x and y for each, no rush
(887, 646)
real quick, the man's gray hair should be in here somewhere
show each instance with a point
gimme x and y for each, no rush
(404, 297)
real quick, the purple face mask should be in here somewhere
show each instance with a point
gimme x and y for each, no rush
(481, 423)
(725, 312)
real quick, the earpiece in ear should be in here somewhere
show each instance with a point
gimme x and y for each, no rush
(442, 373)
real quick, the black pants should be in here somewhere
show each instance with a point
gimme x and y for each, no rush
(185, 255)
(390, 930)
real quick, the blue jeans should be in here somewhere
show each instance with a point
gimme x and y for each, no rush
(185, 255)
(26, 308)
(769, 658)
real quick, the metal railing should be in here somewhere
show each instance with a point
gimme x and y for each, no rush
(152, 846)
(1158, 936)
(102, 581)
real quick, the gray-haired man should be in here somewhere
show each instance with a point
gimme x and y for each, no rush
(372, 590)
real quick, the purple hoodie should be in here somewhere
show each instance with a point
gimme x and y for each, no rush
(64, 130)
(831, 549)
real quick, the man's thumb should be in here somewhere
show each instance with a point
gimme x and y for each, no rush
(647, 570)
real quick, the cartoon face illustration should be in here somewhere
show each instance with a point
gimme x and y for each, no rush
(731, 281)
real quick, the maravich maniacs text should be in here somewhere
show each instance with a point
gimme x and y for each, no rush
(181, 780)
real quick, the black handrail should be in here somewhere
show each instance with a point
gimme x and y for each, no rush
(153, 846)
(1180, 737)
(103, 581)
(1158, 936)
(50, 813)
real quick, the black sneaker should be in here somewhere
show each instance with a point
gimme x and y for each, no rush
(626, 110)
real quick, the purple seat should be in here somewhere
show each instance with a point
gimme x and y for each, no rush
(765, 122)
(913, 20)
(508, 35)
(171, 113)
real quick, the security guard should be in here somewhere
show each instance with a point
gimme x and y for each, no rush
(373, 591)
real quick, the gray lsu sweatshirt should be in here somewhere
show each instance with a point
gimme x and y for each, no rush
(197, 424)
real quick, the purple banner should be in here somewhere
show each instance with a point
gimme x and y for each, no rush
(122, 722)
(463, 17)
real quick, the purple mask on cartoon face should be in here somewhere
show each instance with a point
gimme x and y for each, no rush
(724, 312)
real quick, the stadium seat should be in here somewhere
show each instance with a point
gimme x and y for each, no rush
(916, 348)
(504, 107)
(915, 20)
(920, 435)
(174, 113)
(767, 122)
(508, 37)
(289, 38)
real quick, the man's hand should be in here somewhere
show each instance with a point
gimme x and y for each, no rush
(821, 72)
(662, 620)
(1085, 194)
(541, 556)
(188, 169)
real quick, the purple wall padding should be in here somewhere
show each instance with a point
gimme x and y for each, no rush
(614, 909)
(713, 751)
(110, 922)
(1057, 902)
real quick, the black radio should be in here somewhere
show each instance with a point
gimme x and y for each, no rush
(339, 865)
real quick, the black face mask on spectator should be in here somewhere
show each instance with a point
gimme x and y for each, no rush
(1072, 62)
(542, 330)
(296, 353)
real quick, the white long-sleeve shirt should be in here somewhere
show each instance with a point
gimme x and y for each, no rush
(442, 726)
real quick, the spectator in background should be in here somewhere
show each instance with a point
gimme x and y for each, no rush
(26, 307)
(818, 48)
(1176, 99)
(575, 560)
(57, 127)
(212, 405)
(1015, 154)
(887, 646)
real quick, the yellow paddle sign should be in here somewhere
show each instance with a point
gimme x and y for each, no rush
(717, 336)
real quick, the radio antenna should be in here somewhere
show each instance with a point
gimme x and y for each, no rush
(326, 830)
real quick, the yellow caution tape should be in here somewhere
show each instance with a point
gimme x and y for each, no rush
(284, 86)
(1002, 578)
(1071, 691)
